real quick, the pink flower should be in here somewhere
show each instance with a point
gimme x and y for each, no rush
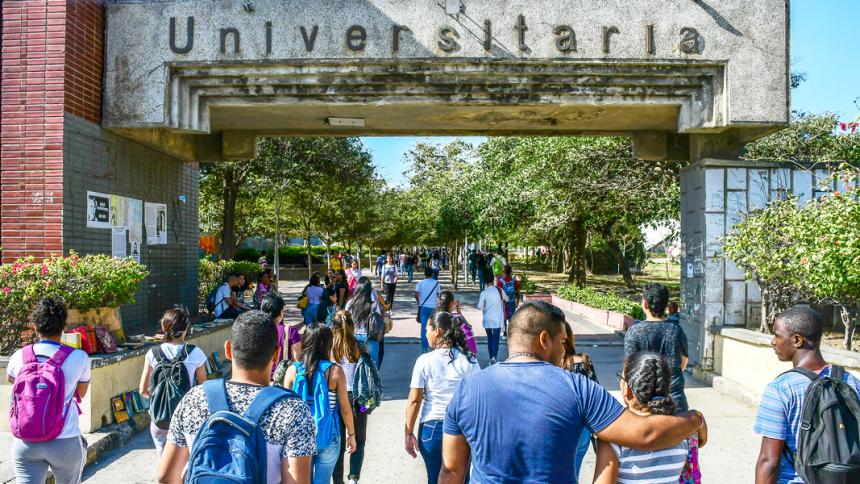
(7, 290)
(44, 270)
(843, 126)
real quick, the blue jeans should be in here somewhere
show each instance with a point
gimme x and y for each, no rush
(430, 446)
(310, 313)
(425, 314)
(582, 449)
(481, 282)
(436, 274)
(322, 465)
(493, 336)
(372, 347)
(410, 271)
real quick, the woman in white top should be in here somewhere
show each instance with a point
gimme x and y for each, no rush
(388, 280)
(174, 326)
(346, 351)
(434, 378)
(66, 453)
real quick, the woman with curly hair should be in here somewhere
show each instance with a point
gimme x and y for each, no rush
(434, 378)
(645, 382)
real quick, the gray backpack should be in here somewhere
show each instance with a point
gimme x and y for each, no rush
(168, 383)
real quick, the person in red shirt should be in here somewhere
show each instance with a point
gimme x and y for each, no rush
(510, 285)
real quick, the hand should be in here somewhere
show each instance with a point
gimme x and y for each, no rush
(351, 446)
(703, 432)
(411, 445)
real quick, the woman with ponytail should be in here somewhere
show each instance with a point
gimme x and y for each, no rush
(449, 304)
(645, 382)
(345, 352)
(174, 326)
(434, 379)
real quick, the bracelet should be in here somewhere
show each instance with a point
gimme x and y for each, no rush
(350, 435)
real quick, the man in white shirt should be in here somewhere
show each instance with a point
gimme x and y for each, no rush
(492, 302)
(426, 295)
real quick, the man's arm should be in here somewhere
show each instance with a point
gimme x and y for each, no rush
(173, 460)
(455, 459)
(296, 470)
(769, 457)
(654, 432)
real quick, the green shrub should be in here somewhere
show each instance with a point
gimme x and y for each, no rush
(527, 285)
(601, 300)
(88, 282)
(248, 254)
(212, 274)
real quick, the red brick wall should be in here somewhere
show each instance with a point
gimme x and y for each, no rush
(31, 127)
(84, 58)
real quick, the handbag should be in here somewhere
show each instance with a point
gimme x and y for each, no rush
(418, 316)
(302, 303)
(389, 324)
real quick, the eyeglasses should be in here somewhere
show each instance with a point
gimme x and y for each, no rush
(620, 376)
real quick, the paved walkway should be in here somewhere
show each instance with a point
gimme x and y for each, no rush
(729, 457)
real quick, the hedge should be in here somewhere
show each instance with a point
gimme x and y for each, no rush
(601, 300)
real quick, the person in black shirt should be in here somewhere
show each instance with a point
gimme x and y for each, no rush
(656, 335)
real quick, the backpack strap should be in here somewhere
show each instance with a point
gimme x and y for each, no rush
(158, 354)
(28, 355)
(803, 371)
(60, 356)
(183, 353)
(267, 397)
(837, 373)
(216, 395)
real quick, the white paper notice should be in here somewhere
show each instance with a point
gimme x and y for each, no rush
(119, 242)
(161, 222)
(149, 222)
(135, 220)
(135, 251)
(689, 269)
(98, 210)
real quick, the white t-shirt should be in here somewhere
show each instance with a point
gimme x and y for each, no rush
(221, 296)
(195, 359)
(438, 376)
(76, 369)
(389, 273)
(492, 302)
(428, 293)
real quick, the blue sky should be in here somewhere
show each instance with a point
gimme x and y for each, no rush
(824, 45)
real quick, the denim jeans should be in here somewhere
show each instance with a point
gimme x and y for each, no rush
(430, 446)
(356, 459)
(493, 336)
(410, 271)
(582, 449)
(425, 314)
(310, 313)
(436, 274)
(372, 347)
(322, 465)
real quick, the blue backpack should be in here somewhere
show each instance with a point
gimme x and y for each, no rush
(315, 394)
(230, 447)
(510, 289)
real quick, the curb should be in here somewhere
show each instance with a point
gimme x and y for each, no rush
(115, 436)
(727, 387)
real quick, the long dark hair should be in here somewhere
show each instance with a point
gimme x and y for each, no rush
(345, 346)
(648, 376)
(446, 299)
(452, 336)
(317, 342)
(361, 304)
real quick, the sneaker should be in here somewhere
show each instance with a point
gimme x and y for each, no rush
(352, 481)
(492, 361)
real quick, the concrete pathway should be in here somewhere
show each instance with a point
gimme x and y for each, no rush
(729, 457)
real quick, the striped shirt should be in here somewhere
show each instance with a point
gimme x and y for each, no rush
(652, 467)
(780, 412)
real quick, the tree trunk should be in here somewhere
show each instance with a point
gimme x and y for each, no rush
(310, 253)
(618, 253)
(849, 320)
(454, 261)
(765, 309)
(577, 251)
(228, 228)
(328, 252)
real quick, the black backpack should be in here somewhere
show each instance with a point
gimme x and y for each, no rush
(828, 443)
(168, 383)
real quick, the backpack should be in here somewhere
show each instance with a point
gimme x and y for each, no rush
(498, 267)
(828, 444)
(230, 447)
(168, 383)
(315, 394)
(510, 288)
(211, 303)
(38, 411)
(366, 385)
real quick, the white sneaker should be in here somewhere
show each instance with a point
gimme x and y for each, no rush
(353, 481)
(492, 361)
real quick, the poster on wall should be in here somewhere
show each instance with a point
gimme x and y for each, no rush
(118, 211)
(119, 242)
(135, 221)
(161, 223)
(155, 219)
(98, 210)
(135, 251)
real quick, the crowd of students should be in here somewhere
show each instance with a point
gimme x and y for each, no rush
(300, 395)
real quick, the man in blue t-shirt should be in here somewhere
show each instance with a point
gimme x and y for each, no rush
(796, 338)
(521, 420)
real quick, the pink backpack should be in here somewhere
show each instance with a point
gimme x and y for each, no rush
(38, 411)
